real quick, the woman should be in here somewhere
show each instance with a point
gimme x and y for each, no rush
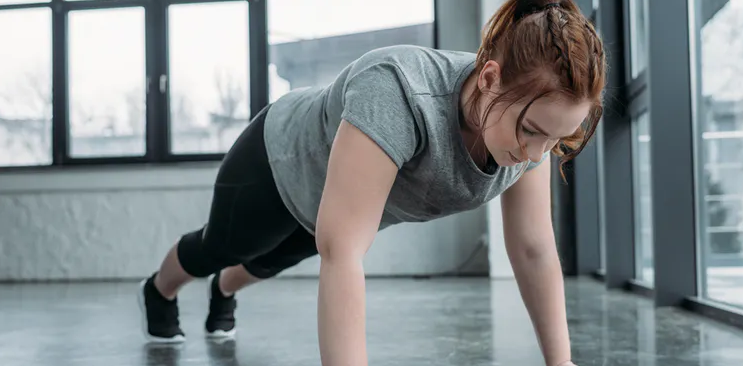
(403, 134)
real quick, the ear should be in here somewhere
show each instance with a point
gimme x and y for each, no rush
(490, 76)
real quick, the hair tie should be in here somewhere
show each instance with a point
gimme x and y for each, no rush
(526, 8)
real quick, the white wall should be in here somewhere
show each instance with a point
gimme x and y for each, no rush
(500, 266)
(119, 222)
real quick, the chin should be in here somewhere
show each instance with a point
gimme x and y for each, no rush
(505, 162)
(506, 159)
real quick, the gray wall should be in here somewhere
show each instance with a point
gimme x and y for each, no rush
(118, 222)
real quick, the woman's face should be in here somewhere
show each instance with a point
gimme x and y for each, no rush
(545, 123)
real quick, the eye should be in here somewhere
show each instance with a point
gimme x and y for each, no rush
(528, 131)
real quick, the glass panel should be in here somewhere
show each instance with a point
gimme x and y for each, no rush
(645, 270)
(14, 2)
(638, 36)
(26, 87)
(720, 157)
(311, 41)
(107, 99)
(209, 72)
(602, 196)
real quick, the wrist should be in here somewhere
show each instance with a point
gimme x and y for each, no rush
(561, 356)
(566, 363)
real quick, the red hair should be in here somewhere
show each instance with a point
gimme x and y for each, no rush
(545, 49)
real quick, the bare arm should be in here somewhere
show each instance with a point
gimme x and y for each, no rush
(531, 248)
(358, 182)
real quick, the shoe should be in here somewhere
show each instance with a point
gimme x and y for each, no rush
(220, 323)
(159, 315)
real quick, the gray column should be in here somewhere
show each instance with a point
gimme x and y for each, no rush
(617, 153)
(672, 153)
(457, 27)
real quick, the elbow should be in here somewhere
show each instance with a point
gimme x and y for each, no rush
(533, 258)
(532, 252)
(334, 250)
(524, 251)
(324, 247)
(325, 241)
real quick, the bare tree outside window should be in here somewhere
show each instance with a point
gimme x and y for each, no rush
(232, 97)
(25, 87)
(209, 75)
(107, 110)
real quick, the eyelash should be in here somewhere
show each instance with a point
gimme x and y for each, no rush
(528, 132)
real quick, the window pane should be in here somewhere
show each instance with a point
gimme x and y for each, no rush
(13, 2)
(209, 72)
(26, 87)
(721, 154)
(311, 41)
(643, 200)
(602, 195)
(638, 36)
(107, 108)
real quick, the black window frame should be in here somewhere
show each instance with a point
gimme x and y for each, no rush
(158, 142)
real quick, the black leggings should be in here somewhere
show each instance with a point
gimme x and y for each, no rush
(248, 222)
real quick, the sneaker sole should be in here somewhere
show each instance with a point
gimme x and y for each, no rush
(143, 311)
(217, 334)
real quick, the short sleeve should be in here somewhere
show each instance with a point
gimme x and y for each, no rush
(376, 102)
(533, 165)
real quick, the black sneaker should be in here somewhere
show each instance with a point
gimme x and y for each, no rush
(159, 315)
(220, 323)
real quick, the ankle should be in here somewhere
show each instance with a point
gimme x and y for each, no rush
(162, 289)
(221, 286)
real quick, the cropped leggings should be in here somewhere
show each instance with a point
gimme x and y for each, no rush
(248, 223)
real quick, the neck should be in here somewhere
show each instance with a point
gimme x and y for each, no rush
(465, 97)
(469, 126)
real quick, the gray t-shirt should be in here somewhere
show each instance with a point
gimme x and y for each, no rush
(406, 99)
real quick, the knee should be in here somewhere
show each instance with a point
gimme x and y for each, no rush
(198, 257)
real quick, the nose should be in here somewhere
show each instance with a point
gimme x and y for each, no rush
(535, 150)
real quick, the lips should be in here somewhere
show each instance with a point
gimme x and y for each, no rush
(513, 158)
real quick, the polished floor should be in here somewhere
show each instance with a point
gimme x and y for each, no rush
(472, 322)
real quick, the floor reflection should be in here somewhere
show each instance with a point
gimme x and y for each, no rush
(468, 322)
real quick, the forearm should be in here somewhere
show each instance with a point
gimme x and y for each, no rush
(341, 312)
(541, 284)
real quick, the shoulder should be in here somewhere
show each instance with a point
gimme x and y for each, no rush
(394, 55)
(425, 70)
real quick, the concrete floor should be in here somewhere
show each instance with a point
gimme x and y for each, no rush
(468, 322)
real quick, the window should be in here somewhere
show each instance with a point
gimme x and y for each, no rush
(311, 41)
(143, 81)
(602, 197)
(720, 155)
(637, 94)
(208, 65)
(16, 2)
(26, 87)
(643, 200)
(107, 100)
(638, 36)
